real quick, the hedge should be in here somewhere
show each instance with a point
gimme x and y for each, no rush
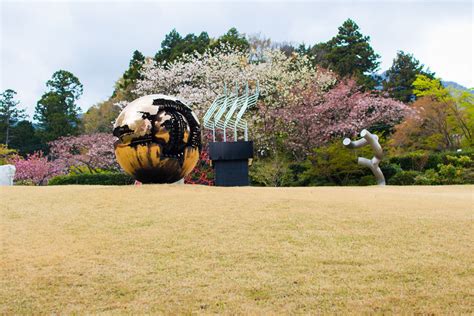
(420, 161)
(93, 179)
(404, 178)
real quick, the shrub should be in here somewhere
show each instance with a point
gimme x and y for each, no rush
(203, 173)
(404, 178)
(429, 177)
(420, 161)
(468, 176)
(462, 161)
(414, 161)
(6, 154)
(81, 169)
(390, 169)
(367, 180)
(334, 165)
(115, 178)
(273, 172)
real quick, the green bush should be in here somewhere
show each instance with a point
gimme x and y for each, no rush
(75, 170)
(404, 178)
(420, 161)
(273, 172)
(429, 177)
(93, 179)
(417, 161)
(334, 165)
(468, 176)
(6, 154)
(24, 182)
(367, 180)
(390, 169)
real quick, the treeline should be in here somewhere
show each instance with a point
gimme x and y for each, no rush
(56, 114)
(311, 96)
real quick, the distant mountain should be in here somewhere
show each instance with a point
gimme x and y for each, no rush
(455, 85)
(448, 84)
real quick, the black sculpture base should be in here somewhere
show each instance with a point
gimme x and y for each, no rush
(231, 162)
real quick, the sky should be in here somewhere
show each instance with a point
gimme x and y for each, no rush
(95, 39)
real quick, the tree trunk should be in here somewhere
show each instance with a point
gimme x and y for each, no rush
(7, 135)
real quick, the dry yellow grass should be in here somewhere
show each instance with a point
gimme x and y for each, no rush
(183, 249)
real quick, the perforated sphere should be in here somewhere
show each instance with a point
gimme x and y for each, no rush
(159, 139)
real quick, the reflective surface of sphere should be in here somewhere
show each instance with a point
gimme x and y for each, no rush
(159, 139)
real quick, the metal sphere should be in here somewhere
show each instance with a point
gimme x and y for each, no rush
(159, 139)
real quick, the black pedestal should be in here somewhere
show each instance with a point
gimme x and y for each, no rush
(231, 162)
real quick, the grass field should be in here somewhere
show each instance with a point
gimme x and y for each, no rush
(184, 249)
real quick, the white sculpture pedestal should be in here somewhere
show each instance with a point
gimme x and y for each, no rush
(7, 174)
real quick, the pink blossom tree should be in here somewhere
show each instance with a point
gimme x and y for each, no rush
(36, 168)
(312, 117)
(85, 152)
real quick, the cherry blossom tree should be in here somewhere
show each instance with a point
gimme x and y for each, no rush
(197, 79)
(36, 168)
(85, 153)
(313, 117)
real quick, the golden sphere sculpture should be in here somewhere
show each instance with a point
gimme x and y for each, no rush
(159, 139)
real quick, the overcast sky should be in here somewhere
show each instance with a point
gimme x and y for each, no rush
(95, 39)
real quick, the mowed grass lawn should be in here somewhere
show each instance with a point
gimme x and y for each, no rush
(184, 249)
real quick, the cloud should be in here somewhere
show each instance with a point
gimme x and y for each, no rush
(95, 40)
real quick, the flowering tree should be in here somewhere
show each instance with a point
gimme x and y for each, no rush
(36, 168)
(197, 79)
(312, 117)
(85, 152)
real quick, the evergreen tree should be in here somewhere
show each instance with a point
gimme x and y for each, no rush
(25, 138)
(192, 43)
(349, 54)
(401, 76)
(57, 111)
(10, 114)
(136, 63)
(303, 50)
(126, 84)
(167, 45)
(234, 39)
(174, 46)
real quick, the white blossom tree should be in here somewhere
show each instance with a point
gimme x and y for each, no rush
(197, 79)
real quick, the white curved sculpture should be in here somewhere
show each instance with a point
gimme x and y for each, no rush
(373, 164)
(7, 174)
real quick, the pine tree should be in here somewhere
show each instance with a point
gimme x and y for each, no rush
(57, 111)
(401, 76)
(348, 54)
(174, 46)
(234, 39)
(10, 114)
(25, 138)
(125, 85)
